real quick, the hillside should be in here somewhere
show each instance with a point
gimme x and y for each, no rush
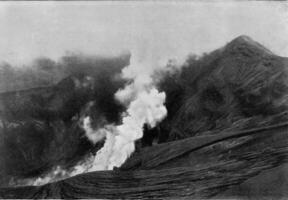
(227, 123)
(234, 87)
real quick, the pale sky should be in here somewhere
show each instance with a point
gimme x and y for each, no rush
(32, 29)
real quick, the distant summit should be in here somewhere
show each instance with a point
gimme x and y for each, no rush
(245, 42)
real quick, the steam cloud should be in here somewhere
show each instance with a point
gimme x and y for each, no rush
(145, 105)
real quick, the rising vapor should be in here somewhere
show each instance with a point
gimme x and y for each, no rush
(145, 105)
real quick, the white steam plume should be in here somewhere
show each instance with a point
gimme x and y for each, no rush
(145, 105)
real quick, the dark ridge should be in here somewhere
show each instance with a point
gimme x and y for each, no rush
(245, 40)
(238, 83)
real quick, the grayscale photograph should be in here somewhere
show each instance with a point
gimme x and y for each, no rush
(144, 100)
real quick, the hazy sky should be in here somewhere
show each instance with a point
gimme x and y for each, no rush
(32, 29)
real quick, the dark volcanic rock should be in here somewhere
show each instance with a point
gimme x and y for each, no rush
(236, 87)
(41, 127)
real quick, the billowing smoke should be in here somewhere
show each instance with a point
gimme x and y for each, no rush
(145, 105)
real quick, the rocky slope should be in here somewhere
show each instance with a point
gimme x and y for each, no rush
(198, 167)
(235, 87)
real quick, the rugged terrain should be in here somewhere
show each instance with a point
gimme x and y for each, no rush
(225, 133)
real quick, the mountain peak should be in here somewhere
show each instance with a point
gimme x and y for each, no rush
(243, 38)
(248, 43)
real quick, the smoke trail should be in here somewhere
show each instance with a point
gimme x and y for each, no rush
(90, 133)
